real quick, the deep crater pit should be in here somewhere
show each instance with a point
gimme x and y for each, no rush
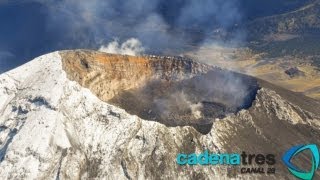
(173, 91)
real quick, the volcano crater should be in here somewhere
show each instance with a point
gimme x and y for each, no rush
(174, 91)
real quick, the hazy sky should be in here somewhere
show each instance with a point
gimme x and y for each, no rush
(30, 28)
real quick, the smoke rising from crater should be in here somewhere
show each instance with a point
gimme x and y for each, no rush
(161, 26)
(178, 103)
(131, 47)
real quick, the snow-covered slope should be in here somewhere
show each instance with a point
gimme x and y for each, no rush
(52, 128)
(48, 122)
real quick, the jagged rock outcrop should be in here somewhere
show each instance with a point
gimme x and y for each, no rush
(108, 74)
(52, 127)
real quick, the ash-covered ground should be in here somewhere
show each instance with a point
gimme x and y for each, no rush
(196, 101)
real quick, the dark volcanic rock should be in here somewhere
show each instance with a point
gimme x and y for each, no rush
(294, 72)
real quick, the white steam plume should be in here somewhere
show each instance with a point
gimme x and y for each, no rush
(131, 47)
(178, 103)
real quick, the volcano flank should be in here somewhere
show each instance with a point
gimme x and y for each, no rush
(82, 114)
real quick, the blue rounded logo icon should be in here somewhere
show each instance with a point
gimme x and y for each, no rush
(295, 170)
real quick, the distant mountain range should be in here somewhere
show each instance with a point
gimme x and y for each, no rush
(302, 21)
